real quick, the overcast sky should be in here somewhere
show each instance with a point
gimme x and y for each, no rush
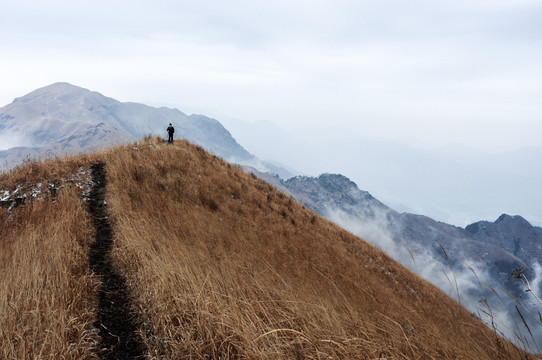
(419, 72)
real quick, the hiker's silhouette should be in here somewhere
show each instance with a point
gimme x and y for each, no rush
(170, 131)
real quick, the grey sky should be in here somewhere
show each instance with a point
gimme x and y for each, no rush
(422, 72)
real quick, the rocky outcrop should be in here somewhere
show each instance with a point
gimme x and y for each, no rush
(329, 191)
(511, 233)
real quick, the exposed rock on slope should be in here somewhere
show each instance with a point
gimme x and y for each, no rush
(511, 233)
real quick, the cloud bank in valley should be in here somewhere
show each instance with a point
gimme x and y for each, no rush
(468, 282)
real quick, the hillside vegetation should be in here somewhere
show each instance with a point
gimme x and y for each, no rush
(218, 265)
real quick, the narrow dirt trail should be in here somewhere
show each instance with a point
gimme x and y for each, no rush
(115, 323)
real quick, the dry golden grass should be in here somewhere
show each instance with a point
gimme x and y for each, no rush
(219, 265)
(46, 292)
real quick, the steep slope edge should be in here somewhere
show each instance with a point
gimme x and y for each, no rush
(223, 265)
(473, 264)
(218, 264)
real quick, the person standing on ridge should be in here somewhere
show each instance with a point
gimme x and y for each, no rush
(170, 131)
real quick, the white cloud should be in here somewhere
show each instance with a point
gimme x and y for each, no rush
(11, 139)
(469, 283)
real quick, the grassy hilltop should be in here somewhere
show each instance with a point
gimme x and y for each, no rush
(215, 263)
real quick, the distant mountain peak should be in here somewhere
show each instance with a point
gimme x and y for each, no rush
(53, 90)
(512, 233)
(61, 85)
(502, 218)
(336, 179)
(515, 219)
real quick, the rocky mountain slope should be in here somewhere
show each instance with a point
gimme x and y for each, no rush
(511, 233)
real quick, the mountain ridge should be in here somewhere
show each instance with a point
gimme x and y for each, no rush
(418, 242)
(62, 118)
(434, 250)
(328, 191)
(457, 187)
(512, 233)
(217, 264)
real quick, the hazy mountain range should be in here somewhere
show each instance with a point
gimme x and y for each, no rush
(496, 247)
(472, 264)
(451, 183)
(62, 118)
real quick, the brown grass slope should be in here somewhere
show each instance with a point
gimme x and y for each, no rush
(219, 265)
(47, 295)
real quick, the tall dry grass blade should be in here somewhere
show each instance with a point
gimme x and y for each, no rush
(282, 330)
(412, 257)
(452, 269)
(521, 340)
(528, 329)
(517, 301)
